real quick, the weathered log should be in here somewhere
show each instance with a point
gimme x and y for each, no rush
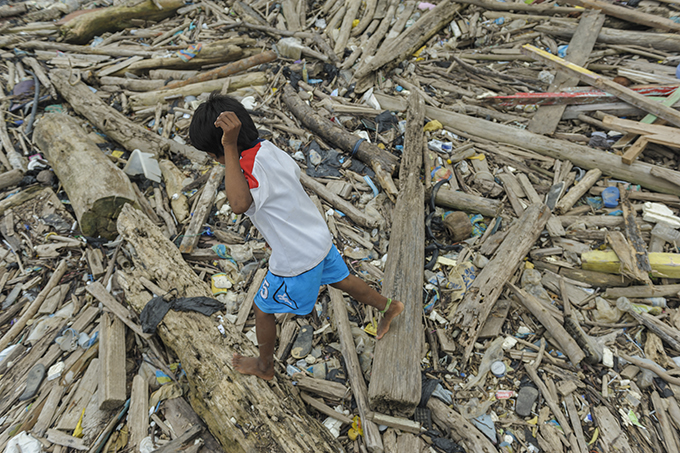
(356, 377)
(10, 178)
(236, 82)
(121, 51)
(383, 163)
(173, 178)
(215, 52)
(267, 415)
(81, 29)
(658, 41)
(13, 10)
(454, 199)
(116, 125)
(636, 292)
(96, 188)
(462, 431)
(411, 39)
(203, 207)
(568, 344)
(227, 70)
(488, 285)
(395, 383)
(627, 14)
(579, 155)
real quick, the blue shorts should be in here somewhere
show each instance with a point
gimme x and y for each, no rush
(298, 294)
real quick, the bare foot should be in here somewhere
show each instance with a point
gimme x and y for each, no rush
(396, 307)
(254, 366)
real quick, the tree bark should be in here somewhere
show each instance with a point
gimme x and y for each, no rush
(96, 188)
(481, 296)
(395, 381)
(81, 29)
(383, 163)
(268, 416)
(582, 156)
(116, 125)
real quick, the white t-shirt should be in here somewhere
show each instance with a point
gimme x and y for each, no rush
(282, 212)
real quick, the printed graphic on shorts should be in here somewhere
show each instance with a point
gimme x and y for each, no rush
(264, 289)
(281, 296)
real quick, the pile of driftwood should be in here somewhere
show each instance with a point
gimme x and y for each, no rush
(509, 170)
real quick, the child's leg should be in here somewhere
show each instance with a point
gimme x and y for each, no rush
(360, 291)
(263, 366)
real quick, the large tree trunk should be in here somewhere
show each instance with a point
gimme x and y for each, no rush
(582, 156)
(268, 416)
(96, 188)
(116, 125)
(83, 28)
(395, 381)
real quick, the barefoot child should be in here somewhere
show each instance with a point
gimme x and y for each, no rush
(262, 181)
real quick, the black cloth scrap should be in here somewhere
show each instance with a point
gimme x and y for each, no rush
(157, 308)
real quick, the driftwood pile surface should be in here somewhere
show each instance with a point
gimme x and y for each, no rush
(509, 170)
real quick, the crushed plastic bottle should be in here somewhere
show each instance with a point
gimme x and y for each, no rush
(493, 354)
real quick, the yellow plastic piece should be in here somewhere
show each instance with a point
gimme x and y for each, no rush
(419, 51)
(433, 126)
(477, 157)
(381, 146)
(355, 22)
(352, 434)
(220, 284)
(371, 329)
(528, 265)
(117, 153)
(666, 264)
(596, 434)
(78, 432)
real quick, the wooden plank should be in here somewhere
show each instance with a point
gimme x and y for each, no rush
(403, 424)
(139, 412)
(480, 298)
(494, 322)
(356, 377)
(584, 75)
(546, 118)
(634, 151)
(86, 388)
(633, 234)
(59, 438)
(395, 384)
(670, 436)
(102, 295)
(200, 214)
(48, 410)
(637, 292)
(554, 226)
(112, 363)
(183, 440)
(322, 387)
(627, 255)
(247, 305)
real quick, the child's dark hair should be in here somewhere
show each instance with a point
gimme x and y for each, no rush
(206, 137)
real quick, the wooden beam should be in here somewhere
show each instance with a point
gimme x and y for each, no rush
(139, 411)
(356, 377)
(200, 214)
(247, 305)
(112, 362)
(395, 384)
(546, 118)
(485, 290)
(584, 75)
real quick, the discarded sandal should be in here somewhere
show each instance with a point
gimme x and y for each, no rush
(303, 343)
(35, 378)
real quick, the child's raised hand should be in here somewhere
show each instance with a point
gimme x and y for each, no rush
(230, 125)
